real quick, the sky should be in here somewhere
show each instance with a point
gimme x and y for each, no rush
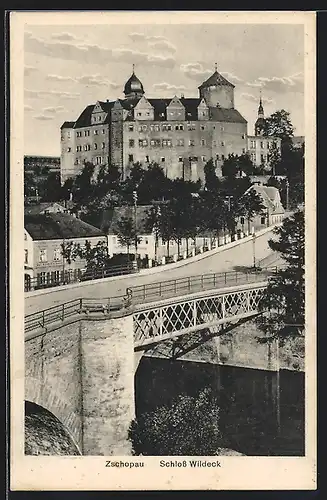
(68, 67)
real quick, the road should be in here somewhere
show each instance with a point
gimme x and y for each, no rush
(234, 258)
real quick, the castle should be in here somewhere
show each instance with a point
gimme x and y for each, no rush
(181, 134)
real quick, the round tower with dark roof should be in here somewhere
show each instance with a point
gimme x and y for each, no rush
(133, 87)
(217, 91)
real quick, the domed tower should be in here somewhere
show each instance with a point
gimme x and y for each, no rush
(217, 91)
(260, 124)
(133, 87)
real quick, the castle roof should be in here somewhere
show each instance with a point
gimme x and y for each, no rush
(216, 79)
(133, 85)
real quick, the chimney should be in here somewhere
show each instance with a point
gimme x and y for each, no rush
(182, 96)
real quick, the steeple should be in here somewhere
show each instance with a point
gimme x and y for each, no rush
(260, 108)
(260, 124)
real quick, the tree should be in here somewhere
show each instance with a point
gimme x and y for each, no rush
(189, 426)
(126, 232)
(96, 256)
(279, 124)
(211, 180)
(285, 294)
(249, 205)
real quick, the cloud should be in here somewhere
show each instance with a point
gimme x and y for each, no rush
(44, 117)
(36, 94)
(64, 37)
(27, 107)
(164, 45)
(167, 87)
(134, 56)
(88, 80)
(280, 83)
(28, 70)
(141, 37)
(255, 98)
(197, 72)
(92, 53)
(53, 109)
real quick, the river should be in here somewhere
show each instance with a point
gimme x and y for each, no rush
(255, 419)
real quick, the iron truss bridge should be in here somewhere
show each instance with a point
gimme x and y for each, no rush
(184, 323)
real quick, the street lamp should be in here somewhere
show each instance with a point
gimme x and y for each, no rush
(135, 221)
(253, 247)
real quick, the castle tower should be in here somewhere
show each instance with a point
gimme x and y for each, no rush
(133, 87)
(217, 91)
(260, 124)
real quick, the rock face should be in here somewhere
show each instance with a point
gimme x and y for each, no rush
(45, 434)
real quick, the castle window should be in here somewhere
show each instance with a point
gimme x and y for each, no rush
(87, 133)
(253, 144)
(204, 158)
(191, 142)
(180, 158)
(96, 132)
(78, 134)
(139, 114)
(204, 113)
(155, 142)
(223, 143)
(147, 159)
(131, 143)
(131, 127)
(98, 160)
(262, 145)
(180, 142)
(143, 143)
(99, 118)
(163, 159)
(217, 157)
(243, 151)
(223, 157)
(191, 126)
(262, 158)
(103, 145)
(103, 130)
(179, 127)
(242, 220)
(214, 143)
(222, 128)
(26, 256)
(95, 146)
(203, 127)
(69, 150)
(130, 157)
(166, 143)
(253, 157)
(263, 220)
(203, 142)
(243, 136)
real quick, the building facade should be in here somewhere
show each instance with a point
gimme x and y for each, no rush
(44, 235)
(181, 134)
(261, 148)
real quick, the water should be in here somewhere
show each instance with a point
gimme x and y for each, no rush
(255, 419)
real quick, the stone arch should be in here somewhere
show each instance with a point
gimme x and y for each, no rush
(47, 398)
(45, 434)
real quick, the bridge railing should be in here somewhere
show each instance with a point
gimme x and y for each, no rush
(192, 284)
(144, 293)
(59, 278)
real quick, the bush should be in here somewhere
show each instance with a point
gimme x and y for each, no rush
(188, 426)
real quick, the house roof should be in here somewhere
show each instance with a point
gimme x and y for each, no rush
(111, 218)
(67, 125)
(40, 207)
(216, 79)
(270, 198)
(55, 226)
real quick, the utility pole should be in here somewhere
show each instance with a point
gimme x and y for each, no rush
(135, 221)
(287, 194)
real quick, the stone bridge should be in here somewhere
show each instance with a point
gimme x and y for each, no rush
(81, 357)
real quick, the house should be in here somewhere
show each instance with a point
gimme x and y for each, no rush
(273, 213)
(44, 233)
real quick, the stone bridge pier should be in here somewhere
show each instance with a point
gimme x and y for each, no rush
(83, 373)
